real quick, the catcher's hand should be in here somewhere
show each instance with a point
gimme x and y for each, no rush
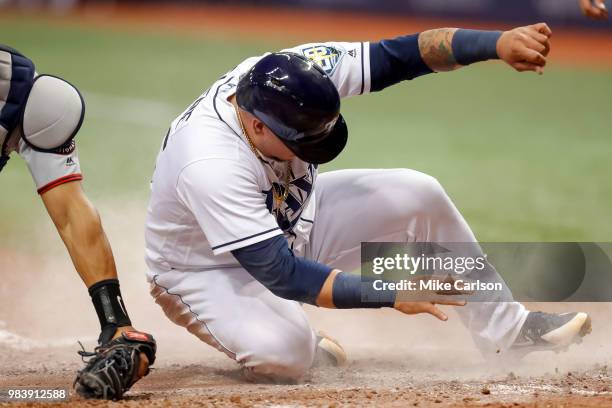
(114, 367)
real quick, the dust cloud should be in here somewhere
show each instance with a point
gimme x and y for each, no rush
(44, 305)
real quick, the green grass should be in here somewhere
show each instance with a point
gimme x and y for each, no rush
(523, 157)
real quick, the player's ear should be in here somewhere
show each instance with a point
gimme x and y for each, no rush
(258, 126)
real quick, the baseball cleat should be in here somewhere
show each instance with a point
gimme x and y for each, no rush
(329, 351)
(551, 331)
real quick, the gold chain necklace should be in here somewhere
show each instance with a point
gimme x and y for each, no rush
(279, 197)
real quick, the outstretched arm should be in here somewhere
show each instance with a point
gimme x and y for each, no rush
(523, 48)
(79, 226)
(274, 265)
(446, 49)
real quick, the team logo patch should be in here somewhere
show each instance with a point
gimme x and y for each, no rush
(327, 57)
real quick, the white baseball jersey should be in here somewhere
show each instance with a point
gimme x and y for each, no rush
(48, 169)
(210, 194)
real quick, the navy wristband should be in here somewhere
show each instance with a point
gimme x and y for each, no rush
(471, 46)
(351, 292)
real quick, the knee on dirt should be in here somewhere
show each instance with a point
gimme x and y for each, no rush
(280, 356)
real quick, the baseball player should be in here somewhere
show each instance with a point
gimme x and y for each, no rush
(241, 229)
(39, 117)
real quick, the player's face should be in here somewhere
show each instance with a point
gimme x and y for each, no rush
(269, 144)
(275, 148)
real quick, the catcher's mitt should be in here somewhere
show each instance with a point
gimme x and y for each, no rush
(112, 368)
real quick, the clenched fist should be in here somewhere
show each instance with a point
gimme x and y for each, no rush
(525, 48)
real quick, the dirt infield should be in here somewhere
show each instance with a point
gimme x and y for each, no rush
(200, 385)
(395, 361)
(380, 376)
(569, 47)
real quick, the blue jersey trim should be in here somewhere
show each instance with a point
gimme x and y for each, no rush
(195, 315)
(215, 104)
(362, 72)
(245, 238)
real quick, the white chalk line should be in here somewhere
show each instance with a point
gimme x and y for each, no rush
(17, 342)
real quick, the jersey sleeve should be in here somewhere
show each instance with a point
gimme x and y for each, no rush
(51, 169)
(227, 202)
(346, 63)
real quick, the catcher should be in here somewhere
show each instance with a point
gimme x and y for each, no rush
(39, 118)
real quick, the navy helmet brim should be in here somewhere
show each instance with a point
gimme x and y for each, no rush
(323, 148)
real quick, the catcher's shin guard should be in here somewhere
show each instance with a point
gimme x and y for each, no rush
(112, 368)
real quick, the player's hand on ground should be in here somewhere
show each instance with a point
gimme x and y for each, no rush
(412, 308)
(525, 48)
(595, 9)
(424, 301)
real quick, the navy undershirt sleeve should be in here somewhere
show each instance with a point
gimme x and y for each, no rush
(395, 60)
(274, 265)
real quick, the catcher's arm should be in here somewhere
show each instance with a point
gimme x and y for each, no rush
(130, 352)
(79, 226)
(523, 48)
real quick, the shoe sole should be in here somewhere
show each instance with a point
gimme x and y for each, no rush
(333, 349)
(571, 332)
(559, 340)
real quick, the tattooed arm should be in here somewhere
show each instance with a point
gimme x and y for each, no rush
(446, 49)
(524, 48)
(437, 50)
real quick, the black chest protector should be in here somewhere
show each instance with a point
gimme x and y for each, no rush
(16, 79)
(44, 110)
